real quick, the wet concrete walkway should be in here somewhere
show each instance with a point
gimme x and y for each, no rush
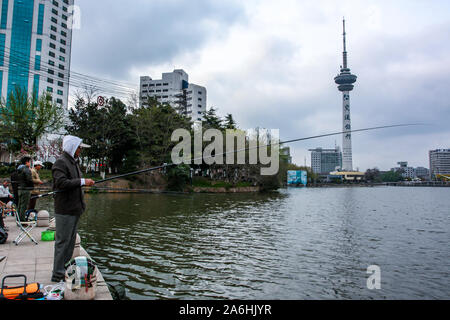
(35, 261)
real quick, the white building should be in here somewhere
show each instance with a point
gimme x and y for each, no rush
(407, 172)
(174, 88)
(439, 162)
(35, 47)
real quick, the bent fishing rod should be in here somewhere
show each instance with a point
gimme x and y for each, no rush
(166, 165)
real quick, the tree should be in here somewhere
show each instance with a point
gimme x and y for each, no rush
(229, 122)
(106, 129)
(211, 120)
(152, 126)
(373, 175)
(392, 176)
(25, 119)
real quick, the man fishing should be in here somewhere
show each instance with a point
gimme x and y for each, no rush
(69, 202)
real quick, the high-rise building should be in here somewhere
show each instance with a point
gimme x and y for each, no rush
(345, 81)
(174, 88)
(324, 161)
(35, 47)
(439, 162)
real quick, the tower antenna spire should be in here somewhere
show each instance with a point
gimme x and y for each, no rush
(345, 45)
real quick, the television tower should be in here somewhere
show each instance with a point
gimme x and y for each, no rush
(345, 81)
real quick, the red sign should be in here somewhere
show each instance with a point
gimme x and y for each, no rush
(100, 101)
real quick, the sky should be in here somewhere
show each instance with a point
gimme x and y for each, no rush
(271, 64)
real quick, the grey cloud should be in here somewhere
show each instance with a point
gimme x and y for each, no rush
(113, 38)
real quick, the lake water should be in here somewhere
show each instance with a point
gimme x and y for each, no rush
(314, 243)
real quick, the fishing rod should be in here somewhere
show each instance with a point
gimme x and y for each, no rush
(166, 165)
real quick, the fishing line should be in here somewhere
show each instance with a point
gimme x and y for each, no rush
(166, 165)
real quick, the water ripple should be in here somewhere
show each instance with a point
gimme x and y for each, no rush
(297, 244)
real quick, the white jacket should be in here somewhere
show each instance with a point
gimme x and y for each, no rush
(4, 192)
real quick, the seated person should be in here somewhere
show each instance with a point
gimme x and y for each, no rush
(5, 195)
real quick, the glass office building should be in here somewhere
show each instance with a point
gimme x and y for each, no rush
(324, 161)
(35, 47)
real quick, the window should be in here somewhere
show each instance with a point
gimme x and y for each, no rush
(53, 28)
(52, 45)
(38, 44)
(40, 26)
(64, 25)
(54, 11)
(62, 58)
(62, 50)
(50, 71)
(49, 89)
(49, 80)
(37, 63)
(52, 54)
(61, 75)
(54, 20)
(60, 83)
(63, 33)
(59, 101)
(61, 67)
(60, 92)
(53, 37)
(50, 62)
(63, 41)
(55, 3)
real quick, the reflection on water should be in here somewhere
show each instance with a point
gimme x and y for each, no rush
(295, 244)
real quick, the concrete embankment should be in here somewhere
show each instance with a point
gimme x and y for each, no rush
(36, 261)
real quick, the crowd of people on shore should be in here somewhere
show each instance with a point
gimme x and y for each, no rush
(24, 183)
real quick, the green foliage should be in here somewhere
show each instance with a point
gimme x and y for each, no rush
(229, 122)
(152, 126)
(373, 175)
(24, 119)
(211, 120)
(5, 171)
(178, 177)
(392, 176)
(106, 129)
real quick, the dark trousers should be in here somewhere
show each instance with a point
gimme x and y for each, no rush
(24, 199)
(32, 203)
(65, 237)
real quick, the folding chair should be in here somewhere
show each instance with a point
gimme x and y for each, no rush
(25, 228)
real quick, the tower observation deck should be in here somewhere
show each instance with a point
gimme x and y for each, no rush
(345, 81)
